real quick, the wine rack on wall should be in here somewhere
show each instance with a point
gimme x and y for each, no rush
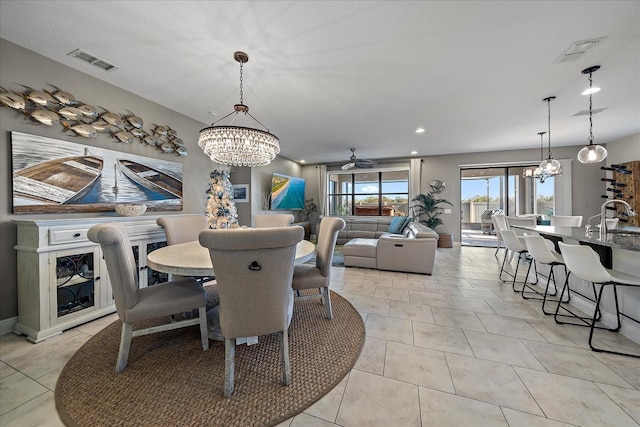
(624, 184)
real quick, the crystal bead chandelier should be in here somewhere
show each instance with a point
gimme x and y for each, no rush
(239, 145)
(591, 153)
(550, 166)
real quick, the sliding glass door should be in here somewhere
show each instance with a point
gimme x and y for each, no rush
(487, 191)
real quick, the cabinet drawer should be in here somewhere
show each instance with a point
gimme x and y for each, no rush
(57, 237)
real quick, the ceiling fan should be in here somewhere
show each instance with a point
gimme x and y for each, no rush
(357, 163)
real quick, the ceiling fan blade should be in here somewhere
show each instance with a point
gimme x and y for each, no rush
(364, 165)
(348, 166)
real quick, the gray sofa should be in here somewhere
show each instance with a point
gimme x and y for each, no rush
(368, 227)
(414, 251)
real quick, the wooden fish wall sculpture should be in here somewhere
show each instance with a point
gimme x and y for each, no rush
(56, 107)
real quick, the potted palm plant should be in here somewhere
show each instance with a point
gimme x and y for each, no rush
(426, 209)
(309, 215)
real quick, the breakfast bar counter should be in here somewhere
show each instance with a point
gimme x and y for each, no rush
(622, 238)
(620, 251)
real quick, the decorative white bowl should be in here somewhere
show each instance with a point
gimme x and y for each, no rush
(131, 210)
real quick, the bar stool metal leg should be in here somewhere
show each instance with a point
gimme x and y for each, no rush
(585, 320)
(617, 328)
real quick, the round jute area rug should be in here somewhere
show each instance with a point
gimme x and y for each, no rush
(170, 381)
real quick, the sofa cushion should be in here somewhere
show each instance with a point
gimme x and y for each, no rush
(364, 225)
(360, 248)
(397, 223)
(354, 234)
(419, 231)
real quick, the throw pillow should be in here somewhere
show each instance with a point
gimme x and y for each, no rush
(397, 224)
(405, 223)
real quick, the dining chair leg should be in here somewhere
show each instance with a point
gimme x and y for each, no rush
(204, 333)
(327, 302)
(229, 365)
(125, 344)
(284, 357)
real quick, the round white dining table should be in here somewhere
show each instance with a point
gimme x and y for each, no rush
(192, 259)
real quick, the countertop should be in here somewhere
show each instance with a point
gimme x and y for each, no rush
(622, 238)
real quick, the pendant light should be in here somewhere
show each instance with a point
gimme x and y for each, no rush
(550, 166)
(536, 172)
(239, 145)
(591, 153)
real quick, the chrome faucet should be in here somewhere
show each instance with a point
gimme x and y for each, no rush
(603, 218)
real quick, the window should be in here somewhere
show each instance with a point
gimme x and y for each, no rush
(369, 193)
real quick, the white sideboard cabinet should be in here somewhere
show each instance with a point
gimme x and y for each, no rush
(62, 276)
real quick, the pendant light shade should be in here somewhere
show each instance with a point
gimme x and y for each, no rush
(239, 145)
(591, 153)
(536, 172)
(550, 166)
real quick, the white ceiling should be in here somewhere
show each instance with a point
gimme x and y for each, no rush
(328, 75)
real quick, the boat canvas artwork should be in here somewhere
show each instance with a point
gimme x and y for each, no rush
(54, 176)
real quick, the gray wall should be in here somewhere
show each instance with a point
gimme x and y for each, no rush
(261, 184)
(586, 189)
(624, 150)
(585, 178)
(19, 65)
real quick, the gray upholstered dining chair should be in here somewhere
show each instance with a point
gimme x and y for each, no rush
(182, 228)
(278, 220)
(254, 269)
(306, 276)
(135, 305)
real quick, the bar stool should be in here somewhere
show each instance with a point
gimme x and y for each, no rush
(585, 264)
(517, 247)
(541, 250)
(499, 224)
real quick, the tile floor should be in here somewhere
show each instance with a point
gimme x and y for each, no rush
(458, 348)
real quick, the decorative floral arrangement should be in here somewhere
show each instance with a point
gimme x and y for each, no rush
(221, 209)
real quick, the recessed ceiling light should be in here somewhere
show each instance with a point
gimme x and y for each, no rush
(303, 161)
(414, 152)
(590, 91)
(420, 130)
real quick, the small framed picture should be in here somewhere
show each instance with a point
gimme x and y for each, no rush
(241, 193)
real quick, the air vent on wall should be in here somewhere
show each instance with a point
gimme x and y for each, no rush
(578, 49)
(586, 112)
(92, 59)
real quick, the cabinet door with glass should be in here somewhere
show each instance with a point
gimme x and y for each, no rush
(146, 275)
(75, 286)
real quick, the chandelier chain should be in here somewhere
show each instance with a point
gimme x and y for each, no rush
(549, 124)
(590, 110)
(241, 75)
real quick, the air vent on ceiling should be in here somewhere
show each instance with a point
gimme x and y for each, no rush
(586, 112)
(578, 49)
(92, 59)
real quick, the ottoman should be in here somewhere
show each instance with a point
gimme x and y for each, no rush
(360, 253)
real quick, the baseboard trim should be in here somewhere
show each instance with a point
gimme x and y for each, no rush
(7, 325)
(629, 328)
